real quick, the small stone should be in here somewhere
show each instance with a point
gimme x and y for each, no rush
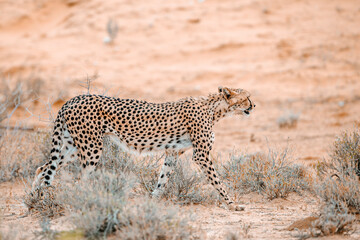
(341, 103)
(107, 40)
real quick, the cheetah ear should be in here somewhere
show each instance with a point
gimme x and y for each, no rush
(226, 92)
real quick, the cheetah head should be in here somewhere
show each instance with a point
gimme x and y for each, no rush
(238, 100)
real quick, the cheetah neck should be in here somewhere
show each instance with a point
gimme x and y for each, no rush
(218, 107)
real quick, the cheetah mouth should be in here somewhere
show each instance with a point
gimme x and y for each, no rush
(247, 111)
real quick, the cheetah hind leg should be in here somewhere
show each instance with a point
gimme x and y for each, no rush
(165, 173)
(68, 153)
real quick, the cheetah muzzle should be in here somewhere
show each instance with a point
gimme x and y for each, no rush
(140, 126)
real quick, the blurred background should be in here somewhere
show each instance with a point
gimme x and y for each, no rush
(300, 59)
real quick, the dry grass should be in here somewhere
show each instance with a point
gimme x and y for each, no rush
(186, 185)
(21, 152)
(333, 219)
(345, 157)
(94, 202)
(112, 199)
(288, 120)
(43, 202)
(13, 232)
(338, 187)
(149, 219)
(339, 175)
(271, 174)
(105, 203)
(46, 233)
(243, 232)
(13, 95)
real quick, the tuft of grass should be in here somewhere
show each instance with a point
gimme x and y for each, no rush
(147, 171)
(13, 95)
(103, 204)
(272, 174)
(339, 175)
(334, 219)
(114, 159)
(242, 233)
(149, 219)
(288, 120)
(13, 232)
(345, 157)
(43, 202)
(112, 29)
(344, 190)
(338, 186)
(19, 160)
(95, 201)
(186, 185)
(46, 233)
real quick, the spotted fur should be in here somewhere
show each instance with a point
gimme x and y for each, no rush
(140, 126)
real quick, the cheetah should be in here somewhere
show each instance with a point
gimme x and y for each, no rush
(140, 126)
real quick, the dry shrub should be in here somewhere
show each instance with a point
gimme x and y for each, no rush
(43, 202)
(333, 219)
(338, 186)
(272, 174)
(147, 170)
(21, 152)
(339, 175)
(186, 185)
(13, 95)
(288, 120)
(241, 233)
(13, 232)
(101, 205)
(149, 219)
(345, 189)
(345, 157)
(114, 159)
(46, 233)
(96, 200)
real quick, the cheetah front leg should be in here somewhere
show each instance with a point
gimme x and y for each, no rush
(201, 157)
(166, 170)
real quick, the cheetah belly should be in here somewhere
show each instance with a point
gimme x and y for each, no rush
(183, 144)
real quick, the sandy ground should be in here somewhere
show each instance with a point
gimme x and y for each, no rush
(300, 57)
